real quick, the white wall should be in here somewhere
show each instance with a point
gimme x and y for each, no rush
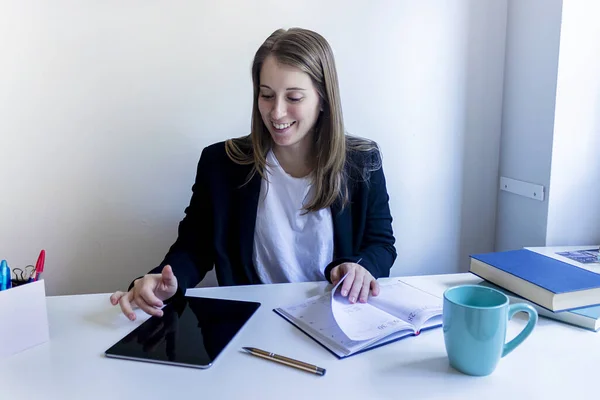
(532, 48)
(551, 124)
(105, 107)
(574, 206)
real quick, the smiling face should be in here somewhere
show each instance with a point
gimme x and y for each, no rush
(288, 103)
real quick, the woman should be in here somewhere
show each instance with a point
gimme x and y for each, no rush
(296, 200)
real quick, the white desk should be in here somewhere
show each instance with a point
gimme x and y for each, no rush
(557, 361)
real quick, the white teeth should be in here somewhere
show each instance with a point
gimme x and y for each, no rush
(282, 126)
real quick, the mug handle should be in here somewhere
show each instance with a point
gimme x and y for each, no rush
(533, 317)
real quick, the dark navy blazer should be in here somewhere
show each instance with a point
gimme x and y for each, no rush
(218, 227)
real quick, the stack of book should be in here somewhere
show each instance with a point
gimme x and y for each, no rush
(554, 281)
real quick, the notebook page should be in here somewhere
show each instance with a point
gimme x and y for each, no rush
(315, 317)
(408, 303)
(362, 321)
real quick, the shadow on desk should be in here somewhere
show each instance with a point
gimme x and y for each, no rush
(435, 365)
(111, 317)
(318, 291)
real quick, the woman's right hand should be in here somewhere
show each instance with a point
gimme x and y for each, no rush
(147, 293)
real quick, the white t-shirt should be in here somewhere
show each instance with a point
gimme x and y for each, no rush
(289, 246)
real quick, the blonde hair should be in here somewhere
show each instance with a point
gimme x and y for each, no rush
(309, 52)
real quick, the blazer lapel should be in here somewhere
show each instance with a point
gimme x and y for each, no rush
(248, 202)
(342, 230)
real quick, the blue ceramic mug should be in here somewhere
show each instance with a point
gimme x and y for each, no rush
(474, 324)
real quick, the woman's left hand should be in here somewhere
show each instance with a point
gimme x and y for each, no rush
(357, 284)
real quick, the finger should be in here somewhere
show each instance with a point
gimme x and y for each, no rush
(125, 303)
(114, 298)
(356, 288)
(347, 285)
(374, 287)
(335, 275)
(149, 297)
(364, 291)
(147, 308)
(168, 277)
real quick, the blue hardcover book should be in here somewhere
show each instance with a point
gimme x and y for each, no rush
(550, 283)
(587, 318)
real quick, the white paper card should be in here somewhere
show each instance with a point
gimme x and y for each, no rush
(23, 318)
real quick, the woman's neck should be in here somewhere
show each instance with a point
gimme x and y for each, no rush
(296, 160)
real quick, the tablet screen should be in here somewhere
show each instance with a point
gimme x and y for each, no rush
(192, 332)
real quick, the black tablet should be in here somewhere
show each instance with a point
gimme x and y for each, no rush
(192, 332)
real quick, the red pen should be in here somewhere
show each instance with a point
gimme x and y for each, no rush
(39, 265)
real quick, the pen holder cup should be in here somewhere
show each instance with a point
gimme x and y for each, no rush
(24, 318)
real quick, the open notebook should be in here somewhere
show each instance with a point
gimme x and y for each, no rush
(400, 310)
